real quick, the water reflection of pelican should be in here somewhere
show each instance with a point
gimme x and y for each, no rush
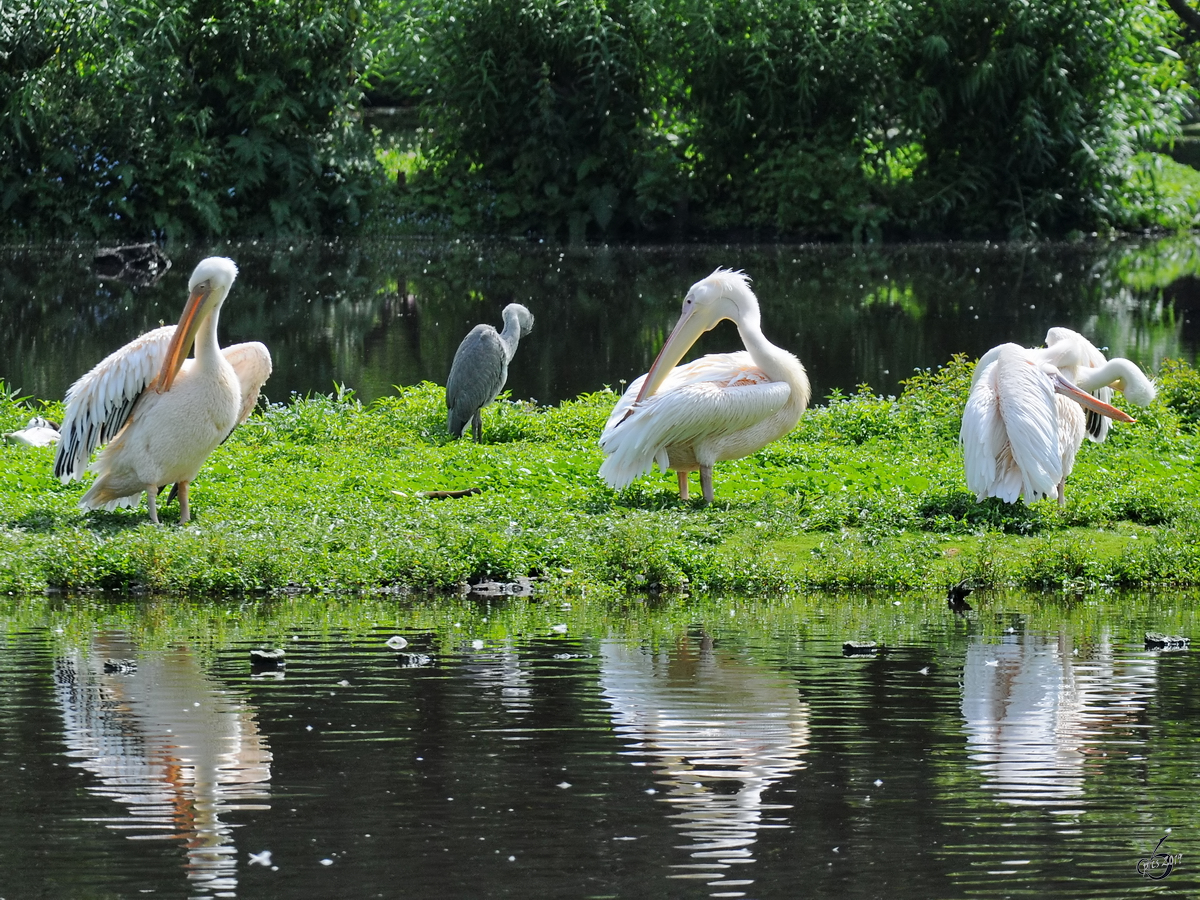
(718, 732)
(1035, 711)
(172, 746)
(499, 674)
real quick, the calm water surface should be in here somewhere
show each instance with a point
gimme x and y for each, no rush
(689, 749)
(374, 315)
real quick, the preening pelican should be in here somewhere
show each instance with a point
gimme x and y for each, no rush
(480, 369)
(1025, 418)
(40, 432)
(160, 413)
(722, 406)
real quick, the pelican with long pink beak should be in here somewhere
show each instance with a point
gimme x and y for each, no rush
(159, 413)
(722, 406)
(1030, 409)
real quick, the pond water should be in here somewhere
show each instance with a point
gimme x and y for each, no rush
(373, 315)
(681, 748)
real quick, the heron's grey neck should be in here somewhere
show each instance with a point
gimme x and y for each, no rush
(511, 335)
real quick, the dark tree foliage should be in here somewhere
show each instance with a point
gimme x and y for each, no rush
(539, 108)
(179, 118)
(822, 118)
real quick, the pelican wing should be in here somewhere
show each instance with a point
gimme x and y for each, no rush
(1087, 356)
(252, 363)
(99, 403)
(718, 395)
(982, 435)
(1010, 431)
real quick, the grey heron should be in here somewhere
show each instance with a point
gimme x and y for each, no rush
(480, 369)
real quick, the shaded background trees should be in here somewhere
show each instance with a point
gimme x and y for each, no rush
(590, 119)
(854, 118)
(180, 118)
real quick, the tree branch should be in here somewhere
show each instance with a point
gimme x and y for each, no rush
(1190, 17)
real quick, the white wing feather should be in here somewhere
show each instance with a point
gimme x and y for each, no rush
(1010, 430)
(252, 363)
(99, 403)
(1088, 356)
(1031, 418)
(719, 394)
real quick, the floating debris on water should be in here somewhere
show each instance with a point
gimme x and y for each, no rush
(860, 648)
(522, 587)
(396, 642)
(1157, 641)
(267, 660)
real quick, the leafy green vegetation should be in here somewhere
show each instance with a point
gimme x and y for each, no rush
(591, 119)
(851, 119)
(179, 119)
(324, 493)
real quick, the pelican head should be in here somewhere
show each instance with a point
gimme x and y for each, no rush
(1069, 389)
(207, 289)
(724, 294)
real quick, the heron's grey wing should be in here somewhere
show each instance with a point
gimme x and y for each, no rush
(99, 403)
(477, 375)
(252, 363)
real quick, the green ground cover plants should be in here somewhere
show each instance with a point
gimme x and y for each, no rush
(323, 493)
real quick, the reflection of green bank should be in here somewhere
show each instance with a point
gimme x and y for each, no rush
(371, 315)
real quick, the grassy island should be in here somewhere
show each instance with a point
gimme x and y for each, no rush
(323, 493)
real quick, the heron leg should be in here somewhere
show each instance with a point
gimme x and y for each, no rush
(477, 426)
(184, 512)
(706, 483)
(152, 502)
(683, 485)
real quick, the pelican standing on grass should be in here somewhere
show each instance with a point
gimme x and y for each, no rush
(159, 412)
(1029, 411)
(722, 406)
(480, 369)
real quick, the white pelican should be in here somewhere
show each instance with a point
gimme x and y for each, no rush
(722, 406)
(1025, 418)
(40, 432)
(480, 369)
(160, 413)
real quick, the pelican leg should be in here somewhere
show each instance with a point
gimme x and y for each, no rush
(184, 512)
(152, 502)
(706, 485)
(477, 426)
(683, 485)
(1062, 492)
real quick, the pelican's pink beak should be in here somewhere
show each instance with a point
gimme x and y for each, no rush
(185, 336)
(1086, 400)
(692, 323)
